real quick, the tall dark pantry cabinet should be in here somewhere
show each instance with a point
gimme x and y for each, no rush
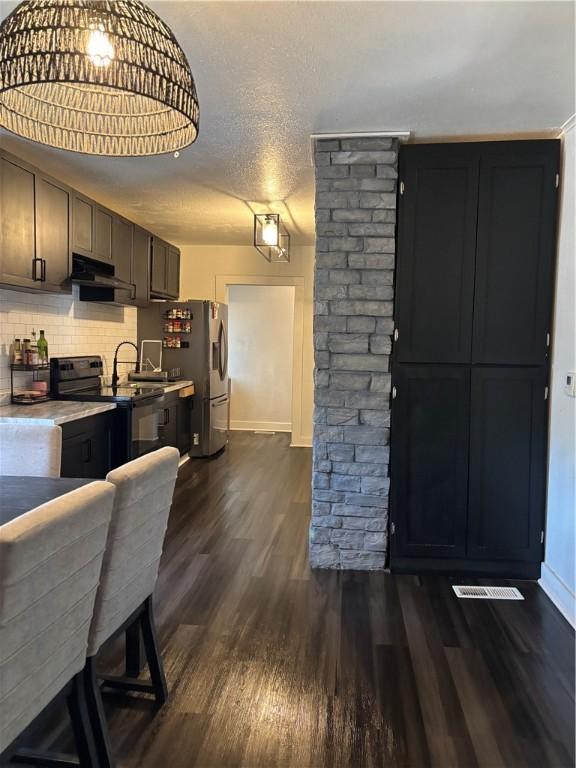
(474, 285)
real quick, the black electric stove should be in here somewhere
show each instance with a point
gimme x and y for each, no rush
(140, 408)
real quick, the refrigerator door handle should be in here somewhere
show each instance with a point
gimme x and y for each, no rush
(222, 352)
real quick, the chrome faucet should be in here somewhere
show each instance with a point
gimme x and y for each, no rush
(116, 361)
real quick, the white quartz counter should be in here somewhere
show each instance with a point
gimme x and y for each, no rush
(51, 412)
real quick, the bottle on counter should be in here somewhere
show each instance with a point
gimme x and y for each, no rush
(16, 357)
(33, 350)
(42, 349)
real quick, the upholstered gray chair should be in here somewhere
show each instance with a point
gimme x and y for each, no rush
(50, 564)
(30, 449)
(144, 490)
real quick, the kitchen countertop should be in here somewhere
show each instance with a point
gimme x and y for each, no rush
(172, 386)
(51, 412)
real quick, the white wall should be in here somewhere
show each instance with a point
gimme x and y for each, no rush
(72, 327)
(558, 570)
(261, 334)
(202, 265)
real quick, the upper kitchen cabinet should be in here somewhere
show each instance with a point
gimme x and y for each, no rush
(91, 229)
(436, 250)
(35, 226)
(141, 267)
(122, 255)
(515, 252)
(165, 271)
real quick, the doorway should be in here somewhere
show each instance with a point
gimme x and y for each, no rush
(261, 356)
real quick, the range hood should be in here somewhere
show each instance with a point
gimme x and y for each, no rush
(95, 274)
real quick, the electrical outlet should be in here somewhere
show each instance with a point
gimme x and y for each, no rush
(570, 385)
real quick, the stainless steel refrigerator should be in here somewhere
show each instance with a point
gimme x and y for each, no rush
(201, 355)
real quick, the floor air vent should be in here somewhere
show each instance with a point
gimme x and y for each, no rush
(488, 593)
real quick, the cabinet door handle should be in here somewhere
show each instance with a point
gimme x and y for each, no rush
(43, 270)
(35, 271)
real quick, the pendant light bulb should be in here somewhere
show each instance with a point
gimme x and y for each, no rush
(100, 50)
(270, 232)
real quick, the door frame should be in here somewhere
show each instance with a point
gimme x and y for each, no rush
(223, 282)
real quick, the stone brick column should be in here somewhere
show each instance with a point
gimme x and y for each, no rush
(355, 225)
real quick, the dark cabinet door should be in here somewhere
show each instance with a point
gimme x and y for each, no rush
(158, 277)
(53, 204)
(173, 272)
(82, 225)
(87, 447)
(122, 248)
(515, 252)
(18, 266)
(102, 234)
(141, 267)
(429, 452)
(170, 424)
(436, 247)
(507, 463)
(184, 424)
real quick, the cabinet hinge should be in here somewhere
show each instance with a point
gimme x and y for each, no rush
(557, 181)
(545, 393)
(396, 334)
(392, 529)
(394, 393)
(541, 537)
(401, 187)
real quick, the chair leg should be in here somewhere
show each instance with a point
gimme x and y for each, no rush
(153, 656)
(81, 723)
(97, 715)
(133, 650)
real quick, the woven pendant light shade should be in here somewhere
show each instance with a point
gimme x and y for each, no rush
(103, 77)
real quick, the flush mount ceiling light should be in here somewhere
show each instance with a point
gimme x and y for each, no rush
(103, 77)
(271, 237)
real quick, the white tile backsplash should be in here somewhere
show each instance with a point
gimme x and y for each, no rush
(72, 327)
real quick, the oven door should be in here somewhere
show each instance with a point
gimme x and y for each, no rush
(147, 420)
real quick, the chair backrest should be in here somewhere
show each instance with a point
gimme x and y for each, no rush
(50, 564)
(30, 449)
(144, 490)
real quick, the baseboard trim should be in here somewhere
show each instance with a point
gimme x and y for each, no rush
(559, 592)
(303, 442)
(267, 426)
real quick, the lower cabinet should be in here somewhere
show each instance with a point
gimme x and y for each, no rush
(87, 447)
(430, 460)
(176, 428)
(468, 469)
(507, 483)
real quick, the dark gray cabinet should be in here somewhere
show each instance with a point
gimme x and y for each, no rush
(165, 270)
(436, 250)
(507, 463)
(35, 226)
(53, 209)
(44, 222)
(91, 229)
(87, 446)
(475, 265)
(141, 267)
(514, 264)
(122, 255)
(82, 225)
(430, 459)
(177, 421)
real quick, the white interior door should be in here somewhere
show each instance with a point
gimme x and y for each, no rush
(261, 333)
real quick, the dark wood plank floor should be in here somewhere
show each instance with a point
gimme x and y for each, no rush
(270, 664)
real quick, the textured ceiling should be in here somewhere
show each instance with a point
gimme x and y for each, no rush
(270, 73)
